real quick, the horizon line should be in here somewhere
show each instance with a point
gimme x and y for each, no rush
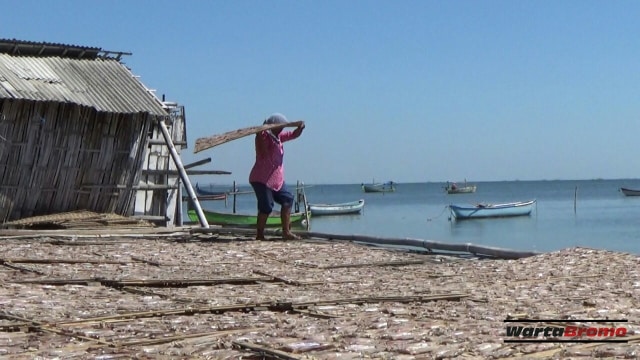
(290, 183)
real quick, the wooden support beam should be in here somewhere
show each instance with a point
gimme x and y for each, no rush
(149, 217)
(136, 187)
(183, 175)
(161, 142)
(189, 172)
(197, 163)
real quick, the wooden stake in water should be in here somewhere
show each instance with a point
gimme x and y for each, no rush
(297, 201)
(575, 199)
(234, 196)
(306, 207)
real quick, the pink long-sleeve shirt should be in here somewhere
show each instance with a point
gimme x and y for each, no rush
(269, 167)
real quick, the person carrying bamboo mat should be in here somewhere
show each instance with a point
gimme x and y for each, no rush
(267, 175)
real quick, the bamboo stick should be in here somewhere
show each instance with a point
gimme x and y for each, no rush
(60, 261)
(196, 163)
(38, 326)
(316, 314)
(269, 306)
(382, 263)
(185, 282)
(84, 281)
(168, 339)
(189, 172)
(150, 262)
(276, 278)
(20, 268)
(184, 176)
(265, 352)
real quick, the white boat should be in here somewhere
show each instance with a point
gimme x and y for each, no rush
(379, 187)
(453, 188)
(630, 192)
(353, 207)
(521, 208)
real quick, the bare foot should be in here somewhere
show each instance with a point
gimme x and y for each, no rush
(290, 236)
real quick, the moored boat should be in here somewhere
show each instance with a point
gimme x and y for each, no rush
(244, 220)
(379, 187)
(630, 192)
(202, 192)
(453, 188)
(520, 208)
(353, 207)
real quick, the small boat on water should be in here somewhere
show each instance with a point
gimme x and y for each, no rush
(202, 192)
(379, 187)
(244, 220)
(630, 192)
(520, 208)
(353, 207)
(453, 188)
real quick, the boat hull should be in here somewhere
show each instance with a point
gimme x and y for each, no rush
(376, 188)
(214, 194)
(336, 209)
(462, 190)
(490, 211)
(243, 220)
(630, 192)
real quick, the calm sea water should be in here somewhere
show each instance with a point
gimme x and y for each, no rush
(602, 217)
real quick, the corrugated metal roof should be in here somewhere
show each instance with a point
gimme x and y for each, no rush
(34, 48)
(38, 48)
(102, 83)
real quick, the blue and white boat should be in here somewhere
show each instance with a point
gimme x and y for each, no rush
(353, 207)
(520, 208)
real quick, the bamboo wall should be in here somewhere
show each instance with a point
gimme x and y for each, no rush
(57, 157)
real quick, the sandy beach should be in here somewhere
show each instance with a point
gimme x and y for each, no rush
(150, 294)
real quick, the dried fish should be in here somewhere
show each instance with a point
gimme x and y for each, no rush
(145, 296)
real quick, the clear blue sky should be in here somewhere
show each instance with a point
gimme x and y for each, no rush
(408, 91)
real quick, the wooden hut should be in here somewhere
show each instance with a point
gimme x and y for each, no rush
(79, 131)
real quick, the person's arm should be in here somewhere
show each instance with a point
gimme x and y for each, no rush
(290, 135)
(261, 145)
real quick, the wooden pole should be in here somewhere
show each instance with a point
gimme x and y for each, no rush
(180, 214)
(183, 175)
(296, 203)
(306, 208)
(234, 196)
(197, 163)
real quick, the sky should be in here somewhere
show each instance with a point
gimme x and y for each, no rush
(409, 91)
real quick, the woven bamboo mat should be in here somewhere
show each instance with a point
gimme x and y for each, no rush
(78, 220)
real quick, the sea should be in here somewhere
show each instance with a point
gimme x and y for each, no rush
(568, 213)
